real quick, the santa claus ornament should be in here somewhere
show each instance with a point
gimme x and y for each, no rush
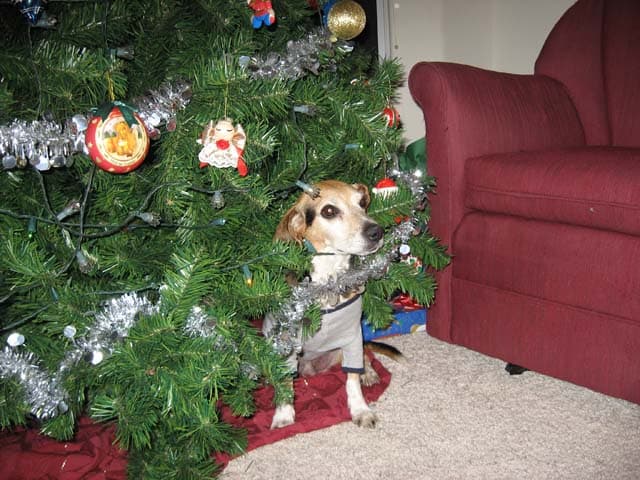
(223, 146)
(263, 13)
(385, 187)
(116, 138)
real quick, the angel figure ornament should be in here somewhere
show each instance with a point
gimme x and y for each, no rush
(223, 146)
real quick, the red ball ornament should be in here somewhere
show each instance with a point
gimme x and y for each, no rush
(392, 116)
(117, 143)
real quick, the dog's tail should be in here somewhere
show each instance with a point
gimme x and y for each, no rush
(386, 350)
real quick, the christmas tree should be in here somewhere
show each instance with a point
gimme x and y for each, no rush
(134, 262)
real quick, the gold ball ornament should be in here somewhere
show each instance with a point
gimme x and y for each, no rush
(346, 19)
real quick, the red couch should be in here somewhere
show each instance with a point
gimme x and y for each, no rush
(538, 199)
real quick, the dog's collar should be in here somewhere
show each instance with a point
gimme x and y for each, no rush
(340, 306)
(311, 249)
(334, 301)
(309, 246)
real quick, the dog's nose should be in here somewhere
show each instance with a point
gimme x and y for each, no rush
(374, 232)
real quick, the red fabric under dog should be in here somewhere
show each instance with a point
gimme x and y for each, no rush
(320, 402)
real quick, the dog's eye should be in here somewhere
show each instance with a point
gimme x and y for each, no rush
(329, 211)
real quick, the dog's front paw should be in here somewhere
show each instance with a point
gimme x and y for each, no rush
(283, 416)
(365, 419)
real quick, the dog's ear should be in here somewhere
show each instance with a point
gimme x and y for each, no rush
(292, 226)
(366, 198)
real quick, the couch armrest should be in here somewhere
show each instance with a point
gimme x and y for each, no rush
(470, 112)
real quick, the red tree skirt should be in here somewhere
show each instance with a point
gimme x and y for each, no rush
(26, 455)
(320, 401)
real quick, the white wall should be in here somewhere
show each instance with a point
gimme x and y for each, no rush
(504, 35)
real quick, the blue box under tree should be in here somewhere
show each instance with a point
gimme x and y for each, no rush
(404, 322)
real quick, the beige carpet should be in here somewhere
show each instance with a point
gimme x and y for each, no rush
(451, 413)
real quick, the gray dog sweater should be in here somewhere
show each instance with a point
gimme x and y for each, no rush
(341, 328)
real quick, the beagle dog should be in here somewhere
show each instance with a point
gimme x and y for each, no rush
(335, 223)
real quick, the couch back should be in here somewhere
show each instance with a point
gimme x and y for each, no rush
(594, 50)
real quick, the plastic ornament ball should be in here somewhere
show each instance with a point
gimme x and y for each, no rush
(15, 339)
(96, 357)
(69, 332)
(30, 9)
(346, 19)
(115, 144)
(392, 116)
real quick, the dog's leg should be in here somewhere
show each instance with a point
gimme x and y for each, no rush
(361, 414)
(370, 376)
(285, 415)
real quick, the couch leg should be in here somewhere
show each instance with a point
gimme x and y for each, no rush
(514, 369)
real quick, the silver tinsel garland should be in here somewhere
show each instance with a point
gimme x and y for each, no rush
(159, 107)
(200, 324)
(286, 334)
(41, 143)
(45, 144)
(111, 326)
(45, 394)
(43, 391)
(300, 57)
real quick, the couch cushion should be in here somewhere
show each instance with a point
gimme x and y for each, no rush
(596, 187)
(592, 269)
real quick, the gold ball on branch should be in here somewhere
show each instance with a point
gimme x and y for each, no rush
(346, 19)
